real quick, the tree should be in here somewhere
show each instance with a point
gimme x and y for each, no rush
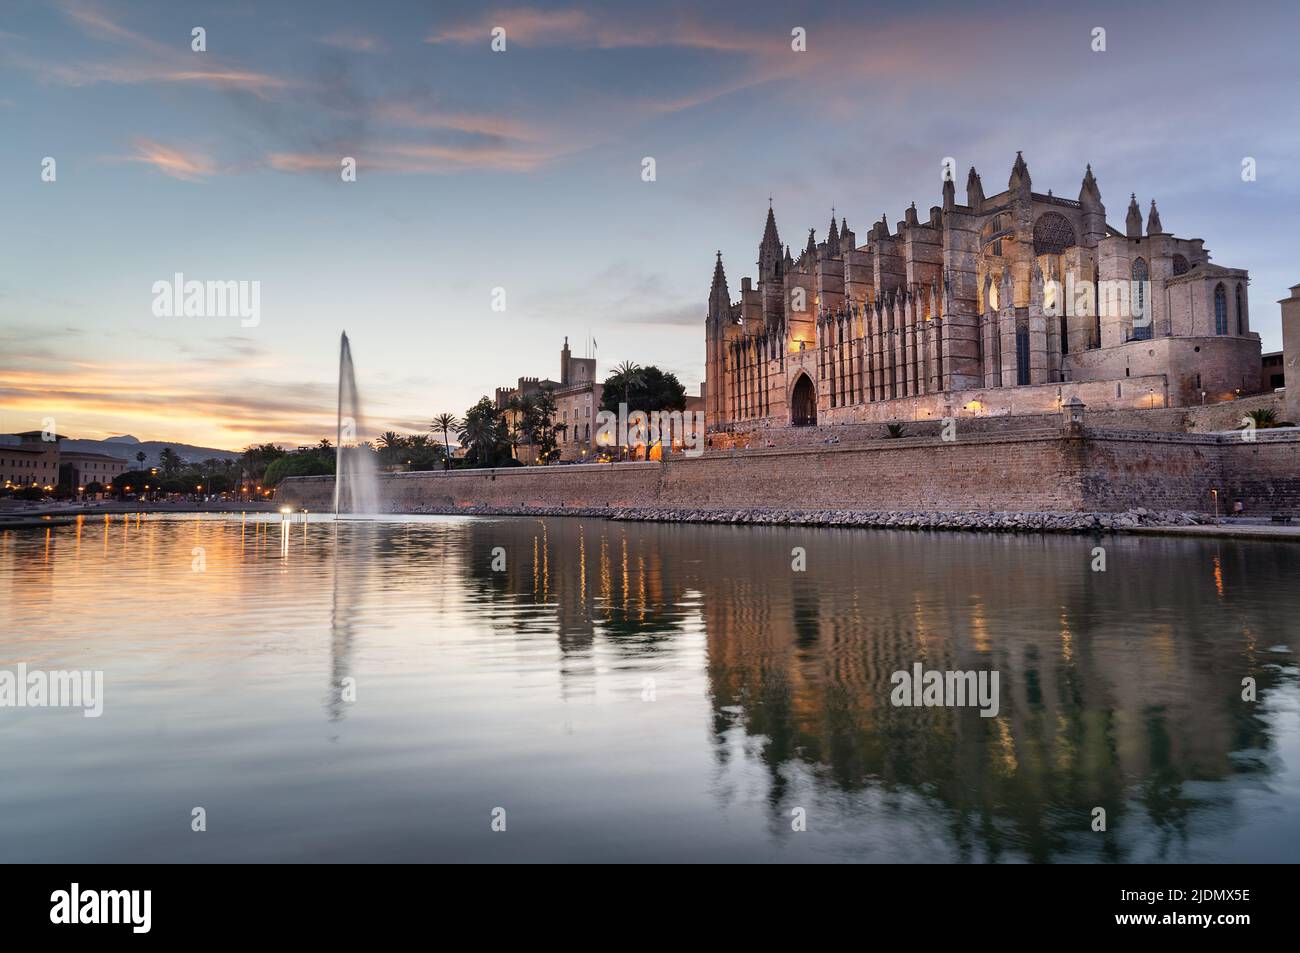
(132, 480)
(256, 458)
(647, 389)
(541, 425)
(170, 461)
(445, 424)
(305, 463)
(629, 375)
(391, 445)
(484, 433)
(140, 458)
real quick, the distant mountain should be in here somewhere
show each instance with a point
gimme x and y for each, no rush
(126, 447)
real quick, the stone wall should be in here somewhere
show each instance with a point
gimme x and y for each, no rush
(1221, 366)
(1210, 418)
(1023, 471)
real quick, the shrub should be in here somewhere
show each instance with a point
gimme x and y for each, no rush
(1263, 416)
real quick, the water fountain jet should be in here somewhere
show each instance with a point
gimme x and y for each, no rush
(356, 486)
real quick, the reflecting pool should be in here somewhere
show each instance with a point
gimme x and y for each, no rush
(392, 690)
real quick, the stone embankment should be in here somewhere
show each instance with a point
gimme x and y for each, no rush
(1051, 522)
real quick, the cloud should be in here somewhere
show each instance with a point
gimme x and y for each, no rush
(417, 159)
(354, 42)
(145, 61)
(226, 399)
(412, 116)
(576, 28)
(173, 162)
(627, 295)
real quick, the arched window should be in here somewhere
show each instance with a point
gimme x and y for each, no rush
(1241, 313)
(1141, 320)
(1181, 267)
(995, 229)
(1220, 310)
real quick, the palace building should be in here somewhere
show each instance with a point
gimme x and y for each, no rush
(1008, 304)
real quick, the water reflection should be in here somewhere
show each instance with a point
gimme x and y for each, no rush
(639, 691)
(1120, 689)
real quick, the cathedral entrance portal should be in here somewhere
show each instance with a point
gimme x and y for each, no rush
(803, 403)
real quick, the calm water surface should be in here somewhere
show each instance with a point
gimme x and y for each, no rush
(643, 692)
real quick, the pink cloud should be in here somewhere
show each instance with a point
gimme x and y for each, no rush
(173, 162)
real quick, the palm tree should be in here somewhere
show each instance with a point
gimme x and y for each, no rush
(445, 424)
(481, 431)
(140, 457)
(390, 442)
(1263, 416)
(630, 372)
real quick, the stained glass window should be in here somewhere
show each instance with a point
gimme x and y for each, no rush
(1220, 310)
(1053, 234)
(1141, 320)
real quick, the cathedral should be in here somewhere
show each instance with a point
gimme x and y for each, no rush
(1010, 303)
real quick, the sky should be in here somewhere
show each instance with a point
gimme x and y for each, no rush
(521, 170)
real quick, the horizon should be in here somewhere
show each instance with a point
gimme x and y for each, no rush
(522, 170)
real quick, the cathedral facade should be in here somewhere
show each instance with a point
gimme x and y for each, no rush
(1007, 304)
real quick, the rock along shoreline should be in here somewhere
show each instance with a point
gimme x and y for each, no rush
(970, 521)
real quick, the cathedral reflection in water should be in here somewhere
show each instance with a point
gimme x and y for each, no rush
(1120, 689)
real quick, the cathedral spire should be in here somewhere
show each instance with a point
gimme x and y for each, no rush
(770, 235)
(811, 250)
(974, 189)
(1088, 190)
(1133, 221)
(769, 250)
(719, 296)
(833, 235)
(1153, 221)
(1019, 174)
